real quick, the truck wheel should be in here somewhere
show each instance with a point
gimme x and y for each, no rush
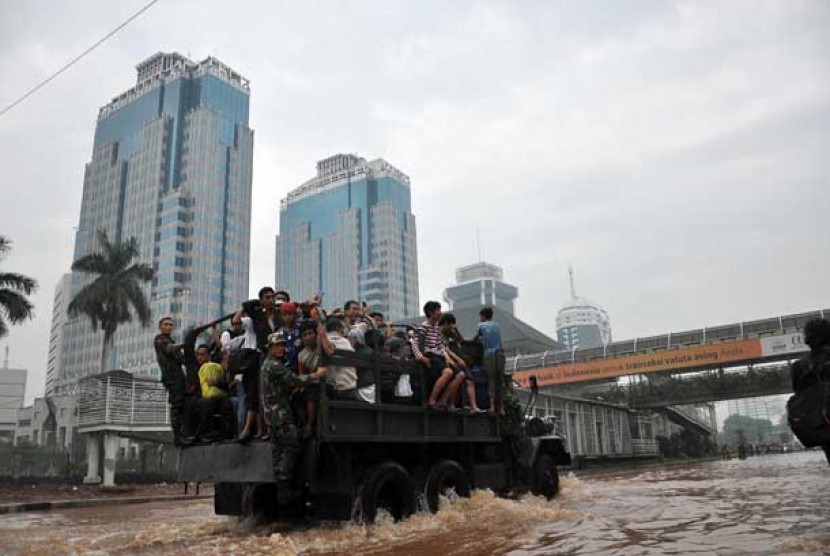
(387, 486)
(545, 481)
(444, 476)
(259, 502)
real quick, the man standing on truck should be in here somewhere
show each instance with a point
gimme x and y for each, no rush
(279, 383)
(264, 320)
(169, 357)
(291, 332)
(489, 333)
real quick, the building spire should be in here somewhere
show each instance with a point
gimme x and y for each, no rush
(571, 279)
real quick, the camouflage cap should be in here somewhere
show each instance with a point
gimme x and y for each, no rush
(276, 338)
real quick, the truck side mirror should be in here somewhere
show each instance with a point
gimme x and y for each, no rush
(534, 385)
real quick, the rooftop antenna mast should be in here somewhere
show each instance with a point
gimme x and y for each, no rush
(6, 361)
(478, 243)
(571, 279)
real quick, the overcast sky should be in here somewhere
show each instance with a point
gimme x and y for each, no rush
(676, 154)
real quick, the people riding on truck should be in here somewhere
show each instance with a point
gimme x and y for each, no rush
(435, 344)
(357, 412)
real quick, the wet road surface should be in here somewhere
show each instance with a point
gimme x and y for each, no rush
(765, 505)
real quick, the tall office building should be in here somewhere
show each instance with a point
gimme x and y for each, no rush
(171, 166)
(12, 393)
(481, 284)
(582, 324)
(59, 305)
(350, 233)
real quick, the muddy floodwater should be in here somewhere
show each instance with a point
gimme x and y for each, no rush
(765, 505)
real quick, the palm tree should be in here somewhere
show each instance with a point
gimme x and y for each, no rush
(14, 307)
(107, 299)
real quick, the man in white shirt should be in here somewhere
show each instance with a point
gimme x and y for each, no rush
(232, 342)
(342, 378)
(248, 359)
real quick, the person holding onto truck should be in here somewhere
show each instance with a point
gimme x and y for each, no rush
(231, 342)
(382, 324)
(170, 359)
(279, 384)
(808, 373)
(309, 360)
(365, 374)
(342, 379)
(429, 350)
(264, 320)
(291, 332)
(489, 333)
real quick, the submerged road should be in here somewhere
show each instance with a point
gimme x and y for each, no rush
(776, 504)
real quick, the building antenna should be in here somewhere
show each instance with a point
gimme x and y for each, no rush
(478, 243)
(571, 279)
(6, 361)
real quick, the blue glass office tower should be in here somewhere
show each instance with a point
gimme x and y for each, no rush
(350, 233)
(171, 166)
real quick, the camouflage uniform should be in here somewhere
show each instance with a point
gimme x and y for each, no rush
(278, 385)
(170, 361)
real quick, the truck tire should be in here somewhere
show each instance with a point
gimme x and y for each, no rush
(227, 498)
(545, 479)
(386, 486)
(259, 502)
(445, 475)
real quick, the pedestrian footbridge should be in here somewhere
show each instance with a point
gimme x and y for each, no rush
(117, 405)
(733, 345)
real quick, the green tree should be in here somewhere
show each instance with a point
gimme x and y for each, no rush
(740, 428)
(14, 306)
(107, 299)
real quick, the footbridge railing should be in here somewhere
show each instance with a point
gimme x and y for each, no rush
(702, 387)
(118, 400)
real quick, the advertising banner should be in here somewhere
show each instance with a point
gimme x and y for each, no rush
(783, 344)
(684, 358)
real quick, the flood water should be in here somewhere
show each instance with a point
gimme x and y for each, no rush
(776, 504)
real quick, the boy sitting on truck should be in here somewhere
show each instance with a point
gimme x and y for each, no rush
(214, 399)
(431, 353)
(459, 361)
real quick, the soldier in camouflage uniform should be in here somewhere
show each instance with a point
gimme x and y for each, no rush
(170, 359)
(278, 385)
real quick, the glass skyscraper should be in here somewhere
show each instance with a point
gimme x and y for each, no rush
(171, 166)
(350, 232)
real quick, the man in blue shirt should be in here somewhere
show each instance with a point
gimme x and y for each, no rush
(489, 333)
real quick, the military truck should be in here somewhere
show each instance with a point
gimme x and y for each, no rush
(388, 456)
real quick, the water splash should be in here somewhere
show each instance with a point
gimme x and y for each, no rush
(772, 505)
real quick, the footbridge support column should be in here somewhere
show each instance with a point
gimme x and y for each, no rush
(110, 458)
(93, 458)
